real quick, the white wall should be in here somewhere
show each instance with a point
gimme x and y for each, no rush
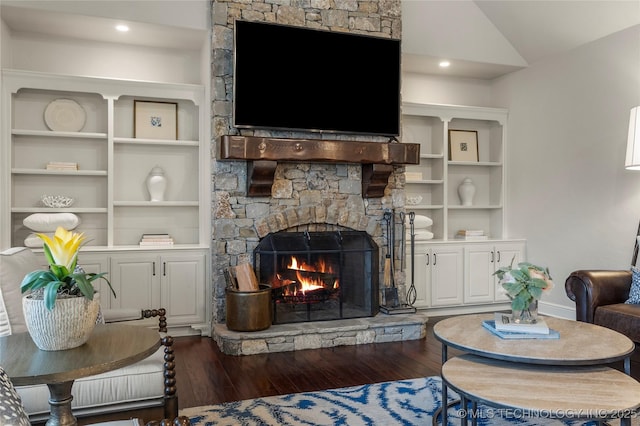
(422, 88)
(567, 190)
(569, 194)
(5, 45)
(176, 13)
(58, 55)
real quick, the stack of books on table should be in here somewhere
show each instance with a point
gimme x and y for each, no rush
(156, 240)
(471, 234)
(61, 165)
(503, 327)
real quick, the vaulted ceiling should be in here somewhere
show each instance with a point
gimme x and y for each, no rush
(488, 38)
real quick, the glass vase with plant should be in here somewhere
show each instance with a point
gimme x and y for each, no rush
(524, 285)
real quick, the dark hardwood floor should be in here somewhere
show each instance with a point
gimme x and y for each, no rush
(207, 376)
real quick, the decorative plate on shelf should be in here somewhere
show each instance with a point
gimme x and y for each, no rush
(65, 115)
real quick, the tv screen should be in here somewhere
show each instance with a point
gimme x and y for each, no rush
(296, 78)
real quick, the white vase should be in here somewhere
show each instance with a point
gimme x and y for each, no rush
(466, 192)
(156, 184)
(68, 325)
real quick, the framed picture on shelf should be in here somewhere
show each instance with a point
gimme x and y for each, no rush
(155, 120)
(463, 145)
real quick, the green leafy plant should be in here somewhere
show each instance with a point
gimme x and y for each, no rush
(524, 283)
(62, 278)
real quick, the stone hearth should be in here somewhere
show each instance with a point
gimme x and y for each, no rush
(322, 334)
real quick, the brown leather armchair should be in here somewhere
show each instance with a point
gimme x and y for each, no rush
(600, 295)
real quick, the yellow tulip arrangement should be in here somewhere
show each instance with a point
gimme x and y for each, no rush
(62, 277)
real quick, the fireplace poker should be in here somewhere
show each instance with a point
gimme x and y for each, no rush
(403, 242)
(412, 294)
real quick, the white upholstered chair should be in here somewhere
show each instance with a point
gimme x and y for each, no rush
(147, 383)
(12, 411)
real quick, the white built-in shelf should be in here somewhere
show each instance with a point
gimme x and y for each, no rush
(476, 164)
(137, 141)
(424, 206)
(439, 178)
(426, 181)
(59, 172)
(60, 210)
(155, 203)
(109, 186)
(475, 207)
(53, 134)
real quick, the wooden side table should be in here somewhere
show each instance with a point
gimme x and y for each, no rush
(111, 346)
(571, 392)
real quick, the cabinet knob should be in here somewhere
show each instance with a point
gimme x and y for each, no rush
(427, 256)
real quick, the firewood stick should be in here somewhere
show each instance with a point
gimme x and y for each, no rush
(246, 278)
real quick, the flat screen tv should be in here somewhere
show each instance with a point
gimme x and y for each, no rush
(295, 78)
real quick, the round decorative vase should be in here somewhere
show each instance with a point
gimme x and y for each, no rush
(526, 316)
(466, 192)
(156, 184)
(68, 325)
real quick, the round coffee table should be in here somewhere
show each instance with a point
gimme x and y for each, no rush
(597, 391)
(580, 343)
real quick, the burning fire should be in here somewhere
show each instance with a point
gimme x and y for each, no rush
(309, 277)
(321, 266)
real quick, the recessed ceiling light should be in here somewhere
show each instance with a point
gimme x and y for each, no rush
(122, 28)
(444, 64)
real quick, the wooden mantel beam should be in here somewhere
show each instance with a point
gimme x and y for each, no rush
(264, 153)
(316, 150)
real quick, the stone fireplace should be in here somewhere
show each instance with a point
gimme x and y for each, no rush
(253, 199)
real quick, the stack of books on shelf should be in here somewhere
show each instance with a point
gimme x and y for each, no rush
(471, 234)
(156, 240)
(61, 165)
(503, 327)
(413, 176)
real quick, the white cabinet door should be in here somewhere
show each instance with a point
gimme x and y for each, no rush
(136, 280)
(446, 275)
(174, 281)
(97, 263)
(183, 287)
(481, 261)
(421, 276)
(505, 254)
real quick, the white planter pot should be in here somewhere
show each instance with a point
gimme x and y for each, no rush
(68, 325)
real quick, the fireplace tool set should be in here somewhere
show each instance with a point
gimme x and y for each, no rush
(391, 303)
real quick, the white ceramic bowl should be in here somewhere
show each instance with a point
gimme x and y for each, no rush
(413, 200)
(56, 201)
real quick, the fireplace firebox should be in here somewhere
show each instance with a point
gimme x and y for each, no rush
(317, 276)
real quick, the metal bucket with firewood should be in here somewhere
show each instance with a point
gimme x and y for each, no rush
(249, 310)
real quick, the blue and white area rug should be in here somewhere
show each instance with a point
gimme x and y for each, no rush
(404, 402)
